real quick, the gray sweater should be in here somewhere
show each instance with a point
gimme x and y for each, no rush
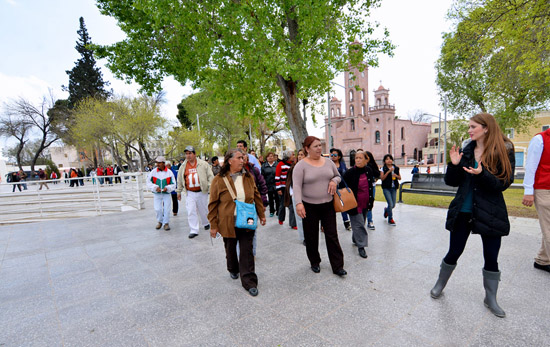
(310, 183)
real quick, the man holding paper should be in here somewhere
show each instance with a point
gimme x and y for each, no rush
(161, 182)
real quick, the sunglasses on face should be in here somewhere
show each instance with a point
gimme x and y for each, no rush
(334, 155)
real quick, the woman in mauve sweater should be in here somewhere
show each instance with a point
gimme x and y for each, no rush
(314, 183)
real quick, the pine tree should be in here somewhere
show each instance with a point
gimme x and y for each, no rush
(85, 79)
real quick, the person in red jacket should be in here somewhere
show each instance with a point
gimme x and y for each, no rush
(99, 173)
(280, 185)
(110, 172)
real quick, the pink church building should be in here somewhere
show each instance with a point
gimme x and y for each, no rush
(375, 128)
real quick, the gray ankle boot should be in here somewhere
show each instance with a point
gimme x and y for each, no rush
(444, 275)
(490, 282)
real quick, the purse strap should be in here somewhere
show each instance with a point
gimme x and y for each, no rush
(343, 180)
(233, 195)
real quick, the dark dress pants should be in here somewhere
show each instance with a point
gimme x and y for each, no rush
(327, 216)
(273, 201)
(244, 262)
(175, 205)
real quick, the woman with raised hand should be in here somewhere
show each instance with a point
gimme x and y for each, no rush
(314, 183)
(221, 215)
(482, 170)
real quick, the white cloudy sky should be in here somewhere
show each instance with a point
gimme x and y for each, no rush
(37, 40)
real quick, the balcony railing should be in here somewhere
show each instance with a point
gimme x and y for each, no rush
(382, 107)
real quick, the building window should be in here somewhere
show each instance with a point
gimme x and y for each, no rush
(389, 149)
(352, 125)
(402, 150)
(363, 110)
(402, 133)
(338, 110)
(362, 73)
(331, 141)
(332, 112)
(377, 136)
(363, 94)
(385, 101)
(510, 133)
(389, 135)
(351, 111)
(545, 127)
(436, 130)
(378, 102)
(351, 95)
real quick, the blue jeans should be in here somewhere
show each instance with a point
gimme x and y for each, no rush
(390, 195)
(369, 213)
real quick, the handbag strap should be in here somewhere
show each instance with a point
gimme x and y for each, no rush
(343, 180)
(233, 195)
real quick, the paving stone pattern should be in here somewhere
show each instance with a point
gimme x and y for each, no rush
(116, 281)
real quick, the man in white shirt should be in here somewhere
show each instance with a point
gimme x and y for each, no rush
(536, 186)
(243, 146)
(161, 183)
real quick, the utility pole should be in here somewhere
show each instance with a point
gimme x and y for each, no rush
(329, 144)
(445, 135)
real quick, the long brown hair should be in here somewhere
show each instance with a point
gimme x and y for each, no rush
(495, 155)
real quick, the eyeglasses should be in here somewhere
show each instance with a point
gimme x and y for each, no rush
(334, 155)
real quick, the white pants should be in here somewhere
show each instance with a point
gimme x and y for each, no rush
(196, 204)
(163, 205)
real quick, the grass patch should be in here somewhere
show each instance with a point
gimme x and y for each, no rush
(513, 198)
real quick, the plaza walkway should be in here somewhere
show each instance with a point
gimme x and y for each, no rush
(116, 281)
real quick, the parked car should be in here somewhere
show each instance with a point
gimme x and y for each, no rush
(30, 176)
(429, 161)
(412, 162)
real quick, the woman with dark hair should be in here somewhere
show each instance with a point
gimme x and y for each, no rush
(315, 180)
(289, 197)
(482, 170)
(390, 183)
(376, 174)
(360, 179)
(221, 215)
(338, 159)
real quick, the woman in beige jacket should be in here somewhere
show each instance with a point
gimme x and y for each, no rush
(221, 214)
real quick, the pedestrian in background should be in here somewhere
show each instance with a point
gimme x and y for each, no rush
(174, 194)
(338, 159)
(481, 171)
(216, 166)
(268, 171)
(161, 182)
(376, 174)
(43, 177)
(390, 183)
(281, 172)
(289, 197)
(315, 180)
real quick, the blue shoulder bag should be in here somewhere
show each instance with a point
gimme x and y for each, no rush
(245, 214)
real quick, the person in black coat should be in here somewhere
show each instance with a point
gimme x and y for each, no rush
(360, 179)
(481, 171)
(268, 171)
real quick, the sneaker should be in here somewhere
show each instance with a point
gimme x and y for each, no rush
(385, 213)
(271, 214)
(207, 227)
(280, 223)
(347, 225)
(391, 222)
(295, 228)
(370, 226)
(159, 225)
(166, 226)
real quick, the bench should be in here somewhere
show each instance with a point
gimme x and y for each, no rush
(422, 183)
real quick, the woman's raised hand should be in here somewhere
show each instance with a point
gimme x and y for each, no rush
(455, 155)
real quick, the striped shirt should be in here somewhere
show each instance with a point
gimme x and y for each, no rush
(280, 174)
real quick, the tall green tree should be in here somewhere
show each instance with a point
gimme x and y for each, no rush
(85, 78)
(497, 60)
(251, 50)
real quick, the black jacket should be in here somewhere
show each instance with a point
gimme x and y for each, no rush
(352, 179)
(489, 214)
(269, 175)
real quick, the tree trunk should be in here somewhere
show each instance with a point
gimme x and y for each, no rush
(147, 156)
(292, 110)
(18, 155)
(38, 151)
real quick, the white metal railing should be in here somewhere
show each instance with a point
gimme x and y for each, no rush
(71, 197)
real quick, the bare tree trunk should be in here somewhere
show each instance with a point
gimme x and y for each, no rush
(292, 109)
(147, 156)
(18, 154)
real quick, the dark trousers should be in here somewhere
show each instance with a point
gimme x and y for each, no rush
(459, 237)
(244, 262)
(273, 201)
(118, 180)
(326, 215)
(282, 212)
(18, 187)
(175, 205)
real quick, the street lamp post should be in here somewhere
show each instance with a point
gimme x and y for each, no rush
(438, 137)
(199, 128)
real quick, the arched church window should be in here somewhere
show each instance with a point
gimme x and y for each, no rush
(351, 110)
(389, 135)
(338, 110)
(378, 102)
(363, 95)
(352, 125)
(363, 110)
(377, 136)
(351, 95)
(402, 133)
(332, 112)
(385, 101)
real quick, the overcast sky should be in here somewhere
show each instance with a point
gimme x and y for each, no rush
(37, 40)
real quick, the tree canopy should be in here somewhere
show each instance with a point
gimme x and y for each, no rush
(497, 59)
(249, 50)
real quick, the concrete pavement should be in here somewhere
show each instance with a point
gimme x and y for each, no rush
(116, 281)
